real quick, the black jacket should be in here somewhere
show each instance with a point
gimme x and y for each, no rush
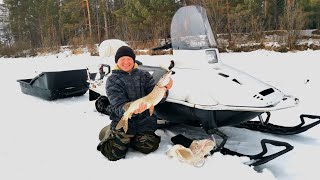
(123, 87)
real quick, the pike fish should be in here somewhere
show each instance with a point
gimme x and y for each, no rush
(152, 99)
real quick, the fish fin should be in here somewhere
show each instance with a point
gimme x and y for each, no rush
(126, 106)
(130, 115)
(151, 109)
(122, 124)
(125, 127)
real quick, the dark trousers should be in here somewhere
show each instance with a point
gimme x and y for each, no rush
(117, 144)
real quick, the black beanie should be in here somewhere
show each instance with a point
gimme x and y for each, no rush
(124, 51)
(181, 139)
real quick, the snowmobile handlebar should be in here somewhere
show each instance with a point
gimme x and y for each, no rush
(165, 46)
(102, 70)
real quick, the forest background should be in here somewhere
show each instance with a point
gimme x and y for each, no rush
(28, 27)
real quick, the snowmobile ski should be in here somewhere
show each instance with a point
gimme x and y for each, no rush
(265, 126)
(259, 158)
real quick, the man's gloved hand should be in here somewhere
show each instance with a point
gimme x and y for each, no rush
(142, 107)
(169, 85)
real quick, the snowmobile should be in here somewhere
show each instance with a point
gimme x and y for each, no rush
(208, 93)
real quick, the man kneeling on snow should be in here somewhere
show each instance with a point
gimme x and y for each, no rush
(127, 83)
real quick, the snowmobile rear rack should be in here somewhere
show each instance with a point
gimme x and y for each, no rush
(265, 126)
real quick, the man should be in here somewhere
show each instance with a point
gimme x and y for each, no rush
(127, 83)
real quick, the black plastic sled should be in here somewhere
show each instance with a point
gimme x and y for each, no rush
(56, 85)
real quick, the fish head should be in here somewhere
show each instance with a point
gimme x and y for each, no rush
(164, 80)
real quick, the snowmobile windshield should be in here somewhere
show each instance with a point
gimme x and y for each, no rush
(190, 29)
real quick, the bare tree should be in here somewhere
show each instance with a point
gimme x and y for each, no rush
(89, 17)
(105, 10)
(228, 19)
(97, 20)
(293, 21)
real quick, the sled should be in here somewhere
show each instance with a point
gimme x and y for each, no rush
(56, 85)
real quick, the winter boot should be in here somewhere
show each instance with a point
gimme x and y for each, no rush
(105, 133)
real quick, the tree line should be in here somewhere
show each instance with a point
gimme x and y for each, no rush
(54, 23)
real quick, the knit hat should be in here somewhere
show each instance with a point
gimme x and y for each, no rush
(181, 139)
(124, 51)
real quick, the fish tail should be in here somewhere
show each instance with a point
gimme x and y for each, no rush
(120, 124)
(123, 123)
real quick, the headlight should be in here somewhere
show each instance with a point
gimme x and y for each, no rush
(211, 56)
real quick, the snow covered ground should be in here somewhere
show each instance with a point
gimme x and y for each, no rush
(57, 139)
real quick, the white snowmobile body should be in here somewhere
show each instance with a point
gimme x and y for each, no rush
(205, 90)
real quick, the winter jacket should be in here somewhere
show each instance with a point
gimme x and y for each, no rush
(123, 87)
